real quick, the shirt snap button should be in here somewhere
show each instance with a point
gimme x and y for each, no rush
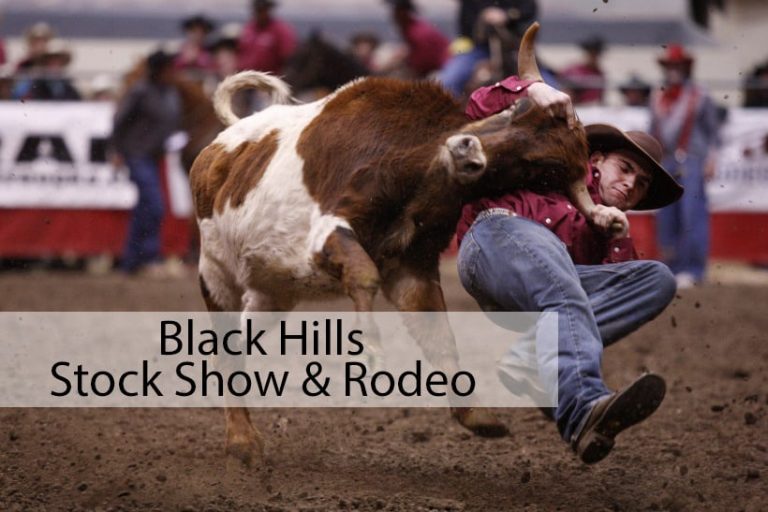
(548, 220)
(616, 249)
(519, 88)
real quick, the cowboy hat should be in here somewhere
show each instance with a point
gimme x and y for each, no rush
(198, 20)
(664, 190)
(675, 54)
(57, 48)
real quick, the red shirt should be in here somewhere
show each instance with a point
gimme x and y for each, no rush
(583, 77)
(266, 48)
(428, 48)
(586, 244)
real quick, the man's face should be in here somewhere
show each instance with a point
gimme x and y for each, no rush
(623, 182)
(675, 74)
(262, 14)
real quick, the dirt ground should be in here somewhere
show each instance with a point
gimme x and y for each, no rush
(705, 449)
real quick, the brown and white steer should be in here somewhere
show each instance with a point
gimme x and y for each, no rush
(360, 191)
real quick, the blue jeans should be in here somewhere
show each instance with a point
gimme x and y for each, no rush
(515, 264)
(143, 243)
(458, 70)
(683, 227)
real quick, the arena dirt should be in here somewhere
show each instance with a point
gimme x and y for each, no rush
(705, 449)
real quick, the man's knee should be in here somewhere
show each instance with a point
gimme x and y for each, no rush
(663, 281)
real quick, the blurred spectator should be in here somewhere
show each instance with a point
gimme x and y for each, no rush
(193, 55)
(50, 82)
(6, 84)
(363, 46)
(146, 117)
(636, 92)
(37, 38)
(585, 81)
(756, 87)
(223, 50)
(266, 42)
(428, 49)
(471, 47)
(684, 119)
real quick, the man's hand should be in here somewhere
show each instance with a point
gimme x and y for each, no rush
(610, 219)
(555, 103)
(494, 16)
(117, 160)
(710, 167)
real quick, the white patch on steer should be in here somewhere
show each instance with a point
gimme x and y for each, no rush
(267, 243)
(322, 227)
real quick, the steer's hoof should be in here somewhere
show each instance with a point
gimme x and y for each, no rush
(480, 421)
(248, 448)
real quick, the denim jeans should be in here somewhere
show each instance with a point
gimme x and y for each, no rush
(683, 227)
(143, 243)
(458, 70)
(511, 263)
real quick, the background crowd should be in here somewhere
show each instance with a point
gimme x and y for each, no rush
(683, 116)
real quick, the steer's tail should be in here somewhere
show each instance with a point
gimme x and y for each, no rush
(222, 98)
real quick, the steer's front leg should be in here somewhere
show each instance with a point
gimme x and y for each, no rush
(343, 257)
(416, 288)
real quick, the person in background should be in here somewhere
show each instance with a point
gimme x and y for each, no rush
(363, 46)
(685, 120)
(147, 115)
(585, 82)
(3, 58)
(51, 82)
(635, 91)
(471, 47)
(193, 56)
(427, 48)
(266, 42)
(37, 38)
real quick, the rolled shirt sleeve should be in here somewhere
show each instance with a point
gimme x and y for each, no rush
(492, 99)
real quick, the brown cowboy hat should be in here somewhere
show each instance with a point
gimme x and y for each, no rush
(57, 48)
(664, 190)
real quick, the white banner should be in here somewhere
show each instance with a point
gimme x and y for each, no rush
(54, 155)
(319, 359)
(741, 181)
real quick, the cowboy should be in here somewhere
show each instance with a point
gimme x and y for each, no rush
(427, 47)
(529, 251)
(586, 79)
(51, 82)
(193, 56)
(266, 42)
(684, 119)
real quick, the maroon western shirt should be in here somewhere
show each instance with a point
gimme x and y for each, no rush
(586, 244)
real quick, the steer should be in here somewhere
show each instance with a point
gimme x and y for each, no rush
(357, 192)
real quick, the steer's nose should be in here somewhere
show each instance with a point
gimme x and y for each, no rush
(468, 156)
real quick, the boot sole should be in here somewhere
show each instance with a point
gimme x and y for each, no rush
(627, 408)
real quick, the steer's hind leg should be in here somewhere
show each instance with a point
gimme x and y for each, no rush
(244, 442)
(417, 289)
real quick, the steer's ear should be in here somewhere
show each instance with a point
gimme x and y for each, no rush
(500, 120)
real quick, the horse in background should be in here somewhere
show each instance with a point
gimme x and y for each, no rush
(318, 68)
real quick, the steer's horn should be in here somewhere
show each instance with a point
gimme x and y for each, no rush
(527, 68)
